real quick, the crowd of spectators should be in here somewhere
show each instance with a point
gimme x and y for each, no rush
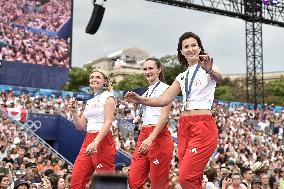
(47, 16)
(25, 46)
(251, 143)
(23, 157)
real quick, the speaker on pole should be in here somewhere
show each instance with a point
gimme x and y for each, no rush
(96, 19)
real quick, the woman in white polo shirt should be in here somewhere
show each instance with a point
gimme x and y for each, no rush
(154, 148)
(197, 131)
(98, 149)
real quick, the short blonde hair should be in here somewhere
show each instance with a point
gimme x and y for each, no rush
(107, 86)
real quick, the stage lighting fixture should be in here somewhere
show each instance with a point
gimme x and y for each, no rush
(96, 19)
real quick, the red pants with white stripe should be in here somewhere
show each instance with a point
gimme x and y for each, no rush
(197, 140)
(156, 161)
(101, 162)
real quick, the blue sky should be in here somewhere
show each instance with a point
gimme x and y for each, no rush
(156, 28)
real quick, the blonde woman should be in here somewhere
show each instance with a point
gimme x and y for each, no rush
(98, 149)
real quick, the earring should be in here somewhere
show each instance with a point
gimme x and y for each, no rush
(105, 87)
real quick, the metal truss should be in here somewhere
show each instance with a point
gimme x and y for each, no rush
(272, 14)
(254, 60)
(255, 13)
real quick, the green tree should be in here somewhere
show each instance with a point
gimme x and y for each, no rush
(132, 82)
(274, 92)
(172, 72)
(231, 90)
(227, 90)
(171, 68)
(169, 60)
(77, 77)
(224, 93)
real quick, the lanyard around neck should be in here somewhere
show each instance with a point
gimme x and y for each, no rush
(188, 88)
(152, 90)
(142, 107)
(98, 93)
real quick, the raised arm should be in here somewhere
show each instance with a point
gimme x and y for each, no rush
(80, 121)
(168, 96)
(206, 63)
(216, 74)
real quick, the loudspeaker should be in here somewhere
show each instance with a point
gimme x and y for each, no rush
(96, 19)
(109, 182)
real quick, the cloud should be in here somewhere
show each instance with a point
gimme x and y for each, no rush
(156, 28)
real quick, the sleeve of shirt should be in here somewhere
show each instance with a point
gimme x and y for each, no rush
(165, 87)
(108, 94)
(178, 78)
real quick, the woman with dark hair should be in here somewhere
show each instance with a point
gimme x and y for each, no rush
(4, 181)
(211, 175)
(98, 149)
(197, 131)
(154, 149)
(57, 182)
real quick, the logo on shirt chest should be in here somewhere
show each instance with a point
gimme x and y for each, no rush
(197, 82)
(89, 107)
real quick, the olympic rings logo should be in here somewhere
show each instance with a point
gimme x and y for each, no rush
(33, 125)
(128, 127)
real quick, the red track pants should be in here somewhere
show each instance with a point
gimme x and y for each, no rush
(101, 162)
(197, 140)
(156, 161)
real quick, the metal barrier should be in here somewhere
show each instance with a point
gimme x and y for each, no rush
(30, 129)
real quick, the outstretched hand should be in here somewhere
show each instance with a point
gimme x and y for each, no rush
(132, 97)
(72, 105)
(206, 62)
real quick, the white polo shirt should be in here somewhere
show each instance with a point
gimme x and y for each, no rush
(151, 115)
(202, 90)
(94, 111)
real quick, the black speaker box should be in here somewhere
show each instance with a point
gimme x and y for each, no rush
(96, 19)
(109, 182)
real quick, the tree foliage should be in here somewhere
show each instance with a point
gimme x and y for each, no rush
(236, 91)
(172, 72)
(274, 92)
(228, 90)
(132, 82)
(171, 68)
(231, 90)
(169, 60)
(77, 77)
(225, 93)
